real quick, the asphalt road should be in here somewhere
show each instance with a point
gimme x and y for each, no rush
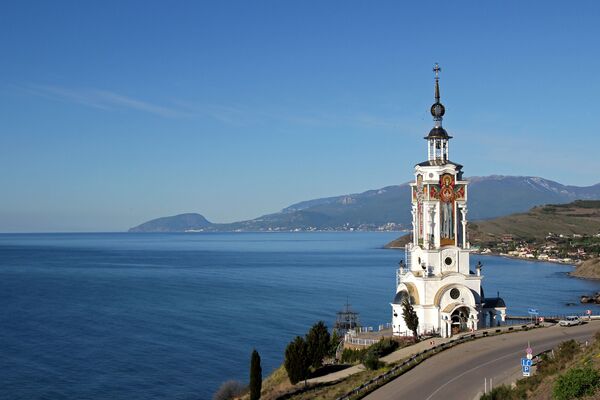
(459, 373)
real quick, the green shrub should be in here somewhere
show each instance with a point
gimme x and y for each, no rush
(502, 392)
(351, 356)
(566, 351)
(371, 361)
(576, 382)
(297, 361)
(384, 347)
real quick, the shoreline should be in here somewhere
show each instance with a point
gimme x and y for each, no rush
(526, 259)
(502, 255)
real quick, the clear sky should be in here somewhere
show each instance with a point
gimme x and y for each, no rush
(116, 112)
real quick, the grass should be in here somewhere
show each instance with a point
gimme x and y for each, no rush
(565, 360)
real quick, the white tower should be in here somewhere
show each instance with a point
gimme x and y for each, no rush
(436, 279)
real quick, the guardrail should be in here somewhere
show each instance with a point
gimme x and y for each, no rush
(416, 359)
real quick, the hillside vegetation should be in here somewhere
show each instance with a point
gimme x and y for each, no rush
(570, 371)
(579, 217)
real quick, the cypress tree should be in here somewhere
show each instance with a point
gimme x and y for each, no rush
(255, 376)
(317, 340)
(410, 316)
(297, 360)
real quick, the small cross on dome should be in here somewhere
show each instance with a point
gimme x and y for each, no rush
(437, 70)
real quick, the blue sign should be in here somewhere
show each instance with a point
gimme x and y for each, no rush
(526, 363)
(533, 311)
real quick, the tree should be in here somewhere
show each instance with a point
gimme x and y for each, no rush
(317, 340)
(255, 376)
(297, 361)
(410, 316)
(334, 342)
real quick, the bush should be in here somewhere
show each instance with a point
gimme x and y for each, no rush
(384, 347)
(351, 356)
(229, 390)
(567, 350)
(576, 382)
(297, 361)
(379, 349)
(502, 392)
(371, 361)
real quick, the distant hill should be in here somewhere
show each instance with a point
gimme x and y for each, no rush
(579, 217)
(388, 208)
(175, 223)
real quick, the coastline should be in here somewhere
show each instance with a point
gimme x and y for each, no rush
(524, 258)
(500, 255)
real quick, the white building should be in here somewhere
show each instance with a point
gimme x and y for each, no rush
(437, 279)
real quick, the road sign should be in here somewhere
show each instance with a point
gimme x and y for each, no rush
(528, 350)
(588, 312)
(526, 370)
(525, 362)
(541, 319)
(533, 311)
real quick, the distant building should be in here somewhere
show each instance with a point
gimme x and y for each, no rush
(437, 279)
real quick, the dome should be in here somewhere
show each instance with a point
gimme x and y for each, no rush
(438, 133)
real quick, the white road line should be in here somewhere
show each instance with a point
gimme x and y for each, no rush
(470, 370)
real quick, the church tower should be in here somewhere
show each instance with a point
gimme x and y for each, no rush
(437, 278)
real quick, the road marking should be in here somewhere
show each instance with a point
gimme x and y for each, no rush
(471, 370)
(552, 342)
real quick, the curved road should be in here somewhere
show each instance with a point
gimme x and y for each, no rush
(459, 373)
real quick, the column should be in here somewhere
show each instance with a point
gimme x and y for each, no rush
(463, 210)
(425, 222)
(415, 225)
(432, 225)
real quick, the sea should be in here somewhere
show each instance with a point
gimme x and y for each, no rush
(172, 316)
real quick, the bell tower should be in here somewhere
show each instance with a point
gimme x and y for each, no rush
(437, 279)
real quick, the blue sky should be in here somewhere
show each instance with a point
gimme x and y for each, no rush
(113, 113)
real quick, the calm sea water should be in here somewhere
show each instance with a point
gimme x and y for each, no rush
(155, 316)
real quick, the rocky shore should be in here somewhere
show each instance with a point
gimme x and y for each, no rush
(593, 299)
(588, 269)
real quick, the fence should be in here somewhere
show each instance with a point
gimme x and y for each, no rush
(361, 342)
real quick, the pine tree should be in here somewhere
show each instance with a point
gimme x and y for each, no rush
(255, 376)
(297, 361)
(410, 316)
(334, 343)
(317, 340)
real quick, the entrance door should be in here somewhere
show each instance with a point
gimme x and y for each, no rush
(460, 317)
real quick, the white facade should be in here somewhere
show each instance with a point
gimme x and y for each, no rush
(437, 279)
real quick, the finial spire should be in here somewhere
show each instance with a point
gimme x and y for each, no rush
(437, 70)
(437, 109)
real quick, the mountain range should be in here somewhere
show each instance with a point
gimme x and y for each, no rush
(388, 208)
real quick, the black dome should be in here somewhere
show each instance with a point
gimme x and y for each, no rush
(438, 133)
